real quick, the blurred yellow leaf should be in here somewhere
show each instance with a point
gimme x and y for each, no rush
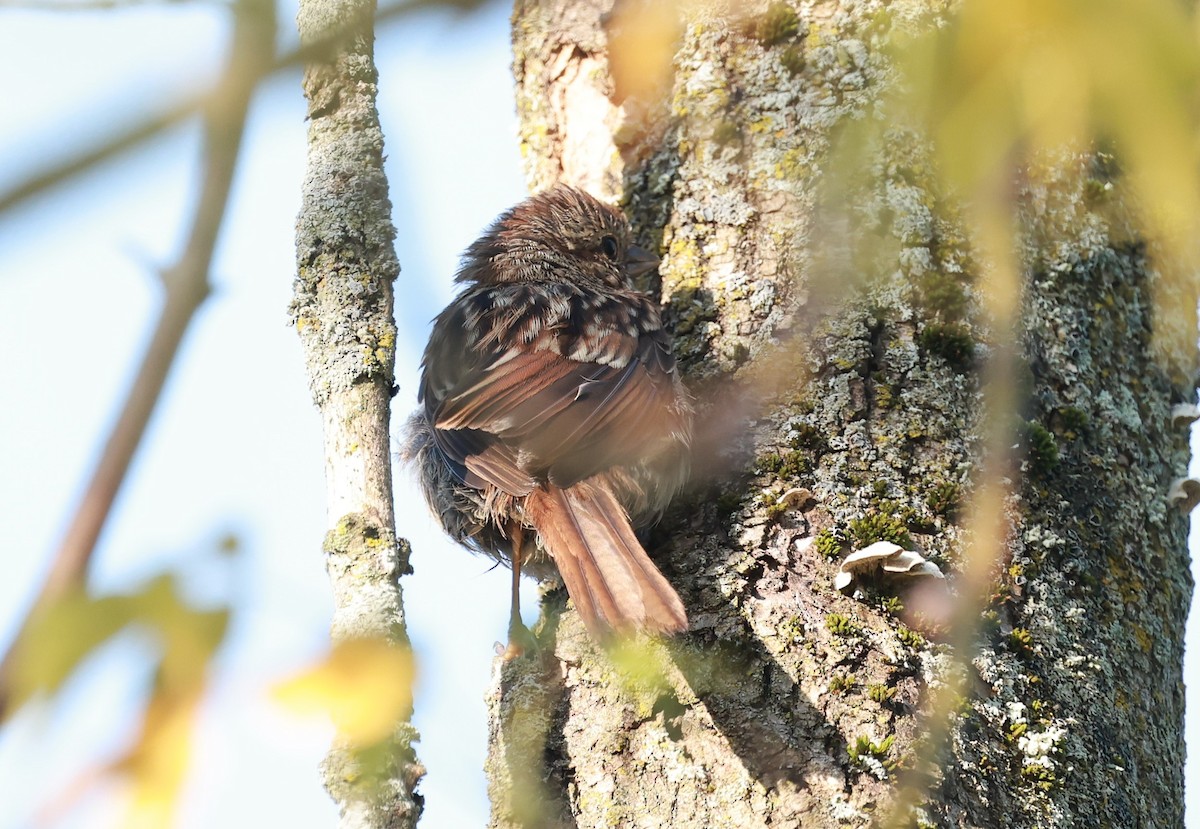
(190, 635)
(365, 685)
(61, 636)
(158, 762)
(642, 38)
(640, 665)
(1007, 79)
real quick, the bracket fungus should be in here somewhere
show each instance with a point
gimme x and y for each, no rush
(886, 558)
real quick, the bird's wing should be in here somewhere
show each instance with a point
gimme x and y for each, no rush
(478, 459)
(568, 419)
(570, 403)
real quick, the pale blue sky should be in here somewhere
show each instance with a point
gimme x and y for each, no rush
(235, 445)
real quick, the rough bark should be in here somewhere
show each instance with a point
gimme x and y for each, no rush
(788, 703)
(342, 309)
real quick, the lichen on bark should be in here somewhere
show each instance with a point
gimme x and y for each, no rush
(788, 703)
(342, 310)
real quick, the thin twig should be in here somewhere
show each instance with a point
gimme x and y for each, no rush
(174, 114)
(81, 5)
(186, 286)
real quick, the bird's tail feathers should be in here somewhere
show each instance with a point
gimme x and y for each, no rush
(608, 574)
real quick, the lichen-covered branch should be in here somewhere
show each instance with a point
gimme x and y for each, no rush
(342, 310)
(789, 703)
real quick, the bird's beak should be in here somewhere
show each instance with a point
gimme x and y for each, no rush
(639, 261)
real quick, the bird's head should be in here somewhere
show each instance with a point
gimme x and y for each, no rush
(559, 235)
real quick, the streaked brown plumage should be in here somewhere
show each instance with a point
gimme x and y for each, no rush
(552, 418)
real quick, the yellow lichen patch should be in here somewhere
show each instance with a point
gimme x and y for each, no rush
(1143, 638)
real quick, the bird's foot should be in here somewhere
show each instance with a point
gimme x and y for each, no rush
(520, 642)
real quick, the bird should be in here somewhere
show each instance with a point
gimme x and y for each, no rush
(551, 417)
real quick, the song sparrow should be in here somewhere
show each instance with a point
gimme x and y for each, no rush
(552, 417)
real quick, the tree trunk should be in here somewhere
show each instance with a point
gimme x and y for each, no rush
(342, 309)
(789, 703)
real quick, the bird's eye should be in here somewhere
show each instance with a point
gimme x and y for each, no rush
(609, 245)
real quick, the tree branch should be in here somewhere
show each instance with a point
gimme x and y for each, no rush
(342, 308)
(139, 131)
(186, 286)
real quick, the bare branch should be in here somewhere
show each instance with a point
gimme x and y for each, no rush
(137, 132)
(186, 284)
(82, 5)
(342, 307)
